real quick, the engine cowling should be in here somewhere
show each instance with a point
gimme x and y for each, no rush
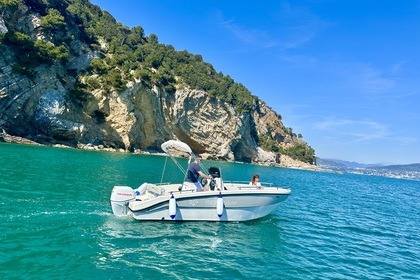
(120, 197)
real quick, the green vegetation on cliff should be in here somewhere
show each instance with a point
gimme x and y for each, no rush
(10, 4)
(300, 151)
(122, 55)
(126, 53)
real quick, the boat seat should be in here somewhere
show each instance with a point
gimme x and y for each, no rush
(188, 186)
(155, 190)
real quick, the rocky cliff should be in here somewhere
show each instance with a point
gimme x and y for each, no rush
(47, 95)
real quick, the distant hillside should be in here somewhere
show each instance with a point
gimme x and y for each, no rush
(349, 164)
(403, 167)
(331, 164)
(406, 171)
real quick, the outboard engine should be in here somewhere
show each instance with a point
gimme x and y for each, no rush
(120, 197)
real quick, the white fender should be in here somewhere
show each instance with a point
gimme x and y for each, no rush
(172, 207)
(140, 190)
(219, 205)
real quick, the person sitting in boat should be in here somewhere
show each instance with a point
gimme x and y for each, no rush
(255, 181)
(194, 171)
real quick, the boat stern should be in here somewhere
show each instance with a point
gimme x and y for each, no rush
(120, 197)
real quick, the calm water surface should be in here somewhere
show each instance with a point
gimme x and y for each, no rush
(56, 223)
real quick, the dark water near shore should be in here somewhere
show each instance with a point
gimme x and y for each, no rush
(56, 223)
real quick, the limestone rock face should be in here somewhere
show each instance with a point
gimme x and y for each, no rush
(50, 116)
(136, 118)
(29, 24)
(143, 118)
(211, 126)
(41, 106)
(3, 28)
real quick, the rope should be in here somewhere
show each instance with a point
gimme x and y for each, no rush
(176, 163)
(188, 164)
(164, 168)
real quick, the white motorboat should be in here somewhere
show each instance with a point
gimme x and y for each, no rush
(220, 201)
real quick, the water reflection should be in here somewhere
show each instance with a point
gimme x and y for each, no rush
(221, 246)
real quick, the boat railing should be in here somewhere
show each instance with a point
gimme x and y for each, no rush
(245, 184)
(160, 189)
(160, 184)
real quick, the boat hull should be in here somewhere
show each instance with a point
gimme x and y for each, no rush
(203, 206)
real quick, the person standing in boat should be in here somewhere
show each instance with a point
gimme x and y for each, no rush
(255, 181)
(194, 171)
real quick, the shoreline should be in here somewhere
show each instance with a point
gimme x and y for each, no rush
(7, 138)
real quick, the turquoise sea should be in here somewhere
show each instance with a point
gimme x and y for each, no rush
(56, 223)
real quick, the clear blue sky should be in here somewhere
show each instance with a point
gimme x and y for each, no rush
(344, 74)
